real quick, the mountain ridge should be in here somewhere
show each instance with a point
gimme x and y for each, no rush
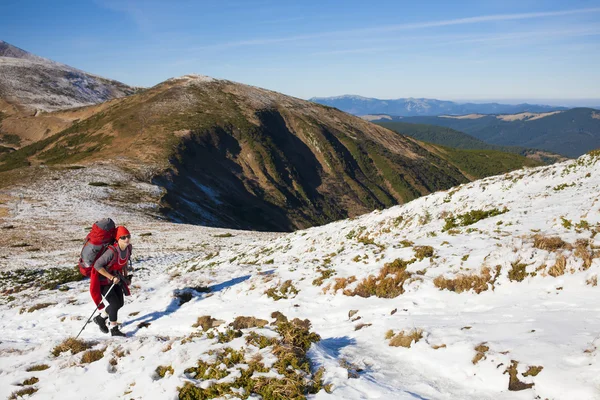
(411, 106)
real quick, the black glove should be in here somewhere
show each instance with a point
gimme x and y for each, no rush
(125, 279)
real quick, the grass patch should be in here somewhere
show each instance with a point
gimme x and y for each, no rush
(207, 322)
(28, 382)
(285, 291)
(514, 384)
(470, 218)
(40, 306)
(388, 284)
(518, 272)
(248, 322)
(480, 355)
(73, 345)
(559, 266)
(404, 338)
(223, 235)
(534, 370)
(37, 367)
(162, 370)
(295, 381)
(22, 392)
(463, 282)
(422, 252)
(325, 274)
(549, 243)
(92, 355)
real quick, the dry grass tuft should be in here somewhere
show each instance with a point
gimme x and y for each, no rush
(438, 346)
(39, 306)
(38, 367)
(73, 345)
(534, 370)
(388, 284)
(593, 281)
(92, 355)
(514, 384)
(207, 322)
(518, 272)
(559, 267)
(463, 282)
(23, 392)
(422, 252)
(342, 283)
(405, 339)
(28, 382)
(360, 326)
(481, 350)
(163, 370)
(549, 243)
(581, 251)
(248, 322)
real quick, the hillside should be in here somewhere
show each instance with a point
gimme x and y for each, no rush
(485, 291)
(570, 133)
(452, 138)
(232, 155)
(29, 83)
(406, 107)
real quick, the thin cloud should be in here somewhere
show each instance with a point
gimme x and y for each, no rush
(400, 27)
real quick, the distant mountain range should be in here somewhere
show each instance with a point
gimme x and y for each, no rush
(405, 107)
(571, 133)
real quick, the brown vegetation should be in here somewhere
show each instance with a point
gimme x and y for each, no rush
(404, 339)
(463, 282)
(549, 243)
(481, 350)
(514, 384)
(388, 284)
(92, 355)
(207, 322)
(73, 345)
(248, 322)
(559, 267)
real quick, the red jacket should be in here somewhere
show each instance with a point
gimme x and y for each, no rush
(97, 280)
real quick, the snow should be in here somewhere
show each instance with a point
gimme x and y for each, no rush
(541, 321)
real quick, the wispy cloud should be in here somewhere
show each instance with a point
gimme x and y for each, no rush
(399, 27)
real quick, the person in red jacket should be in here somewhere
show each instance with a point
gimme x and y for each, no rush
(111, 268)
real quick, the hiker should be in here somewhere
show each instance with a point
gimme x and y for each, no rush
(111, 268)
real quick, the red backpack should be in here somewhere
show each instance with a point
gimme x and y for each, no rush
(96, 242)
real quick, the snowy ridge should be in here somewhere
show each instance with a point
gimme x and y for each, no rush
(526, 312)
(46, 85)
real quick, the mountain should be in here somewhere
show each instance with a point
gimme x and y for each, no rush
(358, 105)
(29, 83)
(237, 156)
(570, 133)
(452, 138)
(488, 291)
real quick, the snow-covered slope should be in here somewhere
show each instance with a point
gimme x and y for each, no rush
(519, 252)
(42, 84)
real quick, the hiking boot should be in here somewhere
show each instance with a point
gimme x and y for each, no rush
(114, 331)
(101, 322)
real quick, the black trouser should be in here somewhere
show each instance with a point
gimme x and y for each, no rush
(115, 299)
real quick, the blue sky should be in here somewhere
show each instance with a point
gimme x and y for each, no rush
(475, 50)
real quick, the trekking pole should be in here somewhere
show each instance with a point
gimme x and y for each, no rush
(96, 309)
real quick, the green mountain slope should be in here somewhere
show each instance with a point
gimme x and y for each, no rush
(570, 133)
(237, 156)
(452, 138)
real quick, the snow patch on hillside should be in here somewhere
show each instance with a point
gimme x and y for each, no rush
(525, 315)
